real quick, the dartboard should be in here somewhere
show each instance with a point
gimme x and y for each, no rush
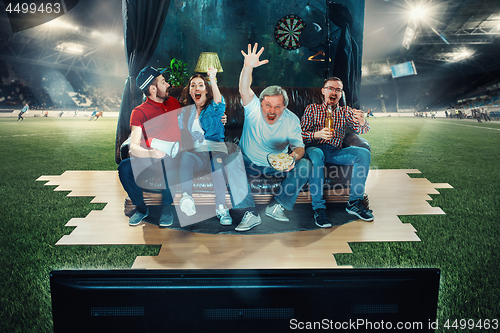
(287, 31)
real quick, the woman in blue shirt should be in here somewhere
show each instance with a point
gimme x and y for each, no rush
(204, 148)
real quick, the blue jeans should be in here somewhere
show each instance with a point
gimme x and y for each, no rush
(197, 161)
(320, 155)
(294, 180)
(241, 193)
(126, 175)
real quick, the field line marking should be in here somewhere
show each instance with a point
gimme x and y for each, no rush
(49, 134)
(491, 128)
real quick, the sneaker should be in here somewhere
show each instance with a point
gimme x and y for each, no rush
(137, 218)
(187, 204)
(358, 209)
(223, 215)
(248, 221)
(321, 219)
(167, 217)
(277, 212)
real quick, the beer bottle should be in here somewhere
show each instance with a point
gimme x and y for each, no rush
(329, 118)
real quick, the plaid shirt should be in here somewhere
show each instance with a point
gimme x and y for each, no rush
(313, 120)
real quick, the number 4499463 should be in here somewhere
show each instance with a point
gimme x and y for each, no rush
(462, 324)
(32, 8)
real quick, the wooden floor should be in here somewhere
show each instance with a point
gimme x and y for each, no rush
(391, 193)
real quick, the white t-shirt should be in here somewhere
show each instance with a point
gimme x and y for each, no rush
(205, 145)
(259, 139)
(197, 128)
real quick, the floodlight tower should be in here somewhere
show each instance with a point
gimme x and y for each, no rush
(417, 14)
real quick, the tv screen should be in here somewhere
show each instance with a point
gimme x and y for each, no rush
(244, 300)
(404, 69)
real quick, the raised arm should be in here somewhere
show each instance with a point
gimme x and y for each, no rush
(251, 61)
(212, 73)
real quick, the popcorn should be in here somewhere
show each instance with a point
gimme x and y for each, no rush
(280, 161)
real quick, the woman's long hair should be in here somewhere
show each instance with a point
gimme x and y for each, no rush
(186, 97)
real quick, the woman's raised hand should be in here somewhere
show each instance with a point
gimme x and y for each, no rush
(212, 73)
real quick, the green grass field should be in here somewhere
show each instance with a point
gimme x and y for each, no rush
(463, 243)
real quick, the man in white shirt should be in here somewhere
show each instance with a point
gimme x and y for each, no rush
(270, 128)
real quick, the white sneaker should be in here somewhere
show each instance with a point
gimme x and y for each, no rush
(223, 215)
(187, 204)
(248, 221)
(277, 212)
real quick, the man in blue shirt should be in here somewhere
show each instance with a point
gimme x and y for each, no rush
(270, 128)
(23, 111)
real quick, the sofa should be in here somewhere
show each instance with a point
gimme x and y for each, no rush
(337, 177)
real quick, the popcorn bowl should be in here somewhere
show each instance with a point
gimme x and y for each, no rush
(280, 161)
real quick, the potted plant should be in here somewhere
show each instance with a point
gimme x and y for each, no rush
(177, 73)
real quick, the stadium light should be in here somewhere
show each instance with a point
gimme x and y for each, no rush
(461, 54)
(107, 37)
(419, 13)
(72, 48)
(58, 24)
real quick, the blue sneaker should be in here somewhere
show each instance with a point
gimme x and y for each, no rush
(358, 209)
(137, 218)
(321, 219)
(167, 217)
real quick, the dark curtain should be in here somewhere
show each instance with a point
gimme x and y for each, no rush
(142, 26)
(346, 68)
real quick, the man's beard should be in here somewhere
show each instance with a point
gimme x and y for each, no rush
(164, 96)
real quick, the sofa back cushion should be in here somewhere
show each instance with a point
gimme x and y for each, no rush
(299, 99)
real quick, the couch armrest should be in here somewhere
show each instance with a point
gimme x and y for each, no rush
(124, 149)
(353, 139)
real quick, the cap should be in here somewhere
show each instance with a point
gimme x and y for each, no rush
(146, 75)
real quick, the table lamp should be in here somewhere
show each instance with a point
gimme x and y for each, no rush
(208, 60)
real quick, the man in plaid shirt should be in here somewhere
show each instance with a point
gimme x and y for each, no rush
(324, 146)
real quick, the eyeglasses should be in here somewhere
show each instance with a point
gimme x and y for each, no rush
(337, 90)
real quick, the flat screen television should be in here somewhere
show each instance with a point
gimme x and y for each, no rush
(403, 69)
(360, 300)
